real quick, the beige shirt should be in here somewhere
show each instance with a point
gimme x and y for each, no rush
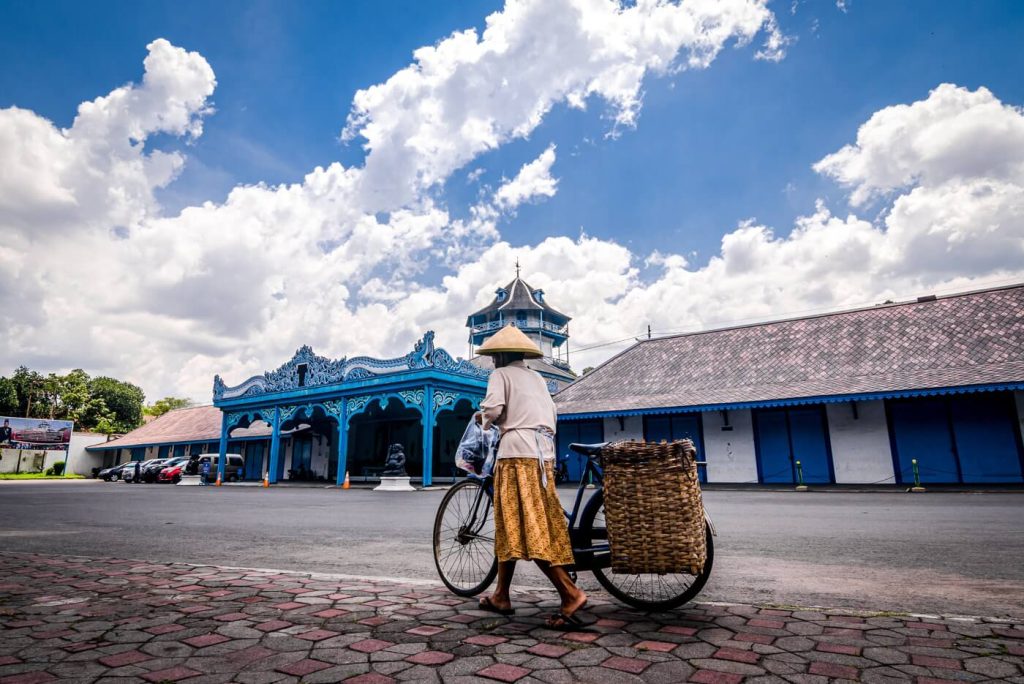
(518, 402)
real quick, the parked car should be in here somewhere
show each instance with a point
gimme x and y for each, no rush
(114, 474)
(173, 471)
(151, 469)
(232, 471)
(128, 472)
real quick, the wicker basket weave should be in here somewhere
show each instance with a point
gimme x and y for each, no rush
(653, 508)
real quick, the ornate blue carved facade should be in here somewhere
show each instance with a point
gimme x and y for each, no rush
(332, 398)
(307, 370)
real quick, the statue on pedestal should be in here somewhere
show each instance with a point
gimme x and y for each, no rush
(394, 465)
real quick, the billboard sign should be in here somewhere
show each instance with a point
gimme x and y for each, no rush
(37, 434)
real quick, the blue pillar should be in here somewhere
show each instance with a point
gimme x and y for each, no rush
(343, 441)
(222, 453)
(428, 436)
(275, 445)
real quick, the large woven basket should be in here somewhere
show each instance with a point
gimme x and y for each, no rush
(653, 508)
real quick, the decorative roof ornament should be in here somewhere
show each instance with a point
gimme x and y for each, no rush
(306, 369)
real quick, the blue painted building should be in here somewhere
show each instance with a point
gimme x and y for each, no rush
(351, 410)
(850, 398)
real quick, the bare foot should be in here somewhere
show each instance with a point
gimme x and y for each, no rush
(578, 600)
(496, 604)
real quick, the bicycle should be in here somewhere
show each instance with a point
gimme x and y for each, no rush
(464, 543)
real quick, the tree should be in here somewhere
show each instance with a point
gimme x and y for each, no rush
(123, 399)
(8, 397)
(29, 385)
(162, 406)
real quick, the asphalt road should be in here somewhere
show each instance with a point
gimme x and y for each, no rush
(949, 553)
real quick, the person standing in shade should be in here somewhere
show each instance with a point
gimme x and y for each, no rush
(204, 471)
(136, 478)
(528, 518)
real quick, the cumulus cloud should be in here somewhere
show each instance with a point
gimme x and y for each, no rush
(471, 93)
(534, 180)
(952, 134)
(339, 259)
(334, 259)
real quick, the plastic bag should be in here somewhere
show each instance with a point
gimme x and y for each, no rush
(477, 449)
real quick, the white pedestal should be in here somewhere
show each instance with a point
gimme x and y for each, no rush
(394, 484)
(187, 480)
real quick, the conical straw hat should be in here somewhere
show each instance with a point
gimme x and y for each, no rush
(510, 339)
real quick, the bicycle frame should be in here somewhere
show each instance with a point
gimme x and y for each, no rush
(587, 558)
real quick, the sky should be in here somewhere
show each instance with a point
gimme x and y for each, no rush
(196, 188)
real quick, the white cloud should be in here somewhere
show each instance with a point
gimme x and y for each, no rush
(953, 134)
(335, 259)
(471, 93)
(533, 180)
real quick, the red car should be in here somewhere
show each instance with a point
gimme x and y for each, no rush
(173, 472)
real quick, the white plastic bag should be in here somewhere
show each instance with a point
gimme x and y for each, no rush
(477, 449)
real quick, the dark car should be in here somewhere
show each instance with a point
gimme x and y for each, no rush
(150, 469)
(128, 472)
(114, 474)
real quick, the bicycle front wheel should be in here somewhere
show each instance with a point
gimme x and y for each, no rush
(464, 539)
(644, 591)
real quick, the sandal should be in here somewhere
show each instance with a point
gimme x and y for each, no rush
(565, 623)
(487, 605)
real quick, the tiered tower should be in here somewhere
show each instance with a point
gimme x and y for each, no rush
(524, 307)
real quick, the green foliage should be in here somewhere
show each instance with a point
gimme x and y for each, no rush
(104, 404)
(38, 476)
(8, 397)
(56, 469)
(123, 399)
(162, 406)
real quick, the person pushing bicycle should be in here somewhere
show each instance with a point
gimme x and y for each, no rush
(528, 518)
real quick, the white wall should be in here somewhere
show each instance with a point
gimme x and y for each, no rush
(730, 453)
(861, 452)
(81, 461)
(632, 428)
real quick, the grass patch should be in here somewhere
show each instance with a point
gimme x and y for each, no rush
(38, 476)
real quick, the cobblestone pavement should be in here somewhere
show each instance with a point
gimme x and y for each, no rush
(112, 620)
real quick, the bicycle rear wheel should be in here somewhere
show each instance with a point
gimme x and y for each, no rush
(464, 539)
(644, 591)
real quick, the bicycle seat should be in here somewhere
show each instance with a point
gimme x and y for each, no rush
(588, 449)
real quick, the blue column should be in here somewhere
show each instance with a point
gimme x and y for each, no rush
(343, 441)
(428, 436)
(275, 444)
(222, 454)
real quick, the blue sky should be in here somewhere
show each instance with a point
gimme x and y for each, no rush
(711, 148)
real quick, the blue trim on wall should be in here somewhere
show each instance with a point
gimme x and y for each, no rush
(822, 399)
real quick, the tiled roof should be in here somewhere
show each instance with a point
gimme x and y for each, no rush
(973, 338)
(520, 297)
(196, 424)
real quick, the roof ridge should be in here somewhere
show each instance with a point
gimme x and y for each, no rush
(922, 299)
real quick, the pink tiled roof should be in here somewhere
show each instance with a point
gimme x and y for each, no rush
(196, 424)
(973, 338)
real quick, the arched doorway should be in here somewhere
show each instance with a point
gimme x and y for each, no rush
(451, 423)
(377, 428)
(309, 446)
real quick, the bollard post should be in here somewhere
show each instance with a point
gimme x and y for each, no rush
(917, 477)
(800, 486)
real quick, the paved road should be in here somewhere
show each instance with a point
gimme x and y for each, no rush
(937, 552)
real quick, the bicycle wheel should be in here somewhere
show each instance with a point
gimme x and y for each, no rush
(464, 539)
(644, 591)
